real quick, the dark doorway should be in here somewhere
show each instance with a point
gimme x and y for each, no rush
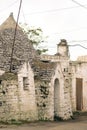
(79, 94)
(56, 97)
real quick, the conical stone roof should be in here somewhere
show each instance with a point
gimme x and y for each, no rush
(23, 49)
(9, 23)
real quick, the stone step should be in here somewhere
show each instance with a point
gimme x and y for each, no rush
(79, 115)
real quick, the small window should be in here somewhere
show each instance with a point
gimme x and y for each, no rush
(65, 69)
(25, 83)
(0, 82)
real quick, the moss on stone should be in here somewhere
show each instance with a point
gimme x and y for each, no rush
(8, 76)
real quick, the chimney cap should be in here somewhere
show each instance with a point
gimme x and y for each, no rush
(63, 42)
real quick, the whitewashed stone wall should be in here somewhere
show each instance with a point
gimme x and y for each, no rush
(79, 70)
(45, 95)
(1, 72)
(58, 75)
(64, 109)
(36, 101)
(27, 96)
(17, 102)
(9, 102)
(53, 58)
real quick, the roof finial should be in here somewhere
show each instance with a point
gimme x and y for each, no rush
(11, 14)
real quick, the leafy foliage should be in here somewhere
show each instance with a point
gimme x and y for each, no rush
(36, 37)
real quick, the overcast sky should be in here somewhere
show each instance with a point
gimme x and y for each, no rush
(59, 19)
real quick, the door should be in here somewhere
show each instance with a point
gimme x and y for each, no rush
(79, 93)
(56, 97)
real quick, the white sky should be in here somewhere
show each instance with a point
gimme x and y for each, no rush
(59, 19)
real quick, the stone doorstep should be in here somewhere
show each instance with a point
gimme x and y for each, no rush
(80, 116)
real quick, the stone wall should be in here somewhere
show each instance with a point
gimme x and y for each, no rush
(27, 93)
(46, 94)
(64, 98)
(1, 72)
(53, 58)
(9, 101)
(57, 91)
(43, 98)
(67, 97)
(17, 100)
(42, 76)
(79, 71)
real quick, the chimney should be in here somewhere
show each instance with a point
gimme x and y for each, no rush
(62, 48)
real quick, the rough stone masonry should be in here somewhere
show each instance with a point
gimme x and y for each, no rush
(38, 87)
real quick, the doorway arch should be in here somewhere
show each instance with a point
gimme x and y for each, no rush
(56, 97)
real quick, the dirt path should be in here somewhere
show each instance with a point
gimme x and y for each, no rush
(79, 122)
(69, 125)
